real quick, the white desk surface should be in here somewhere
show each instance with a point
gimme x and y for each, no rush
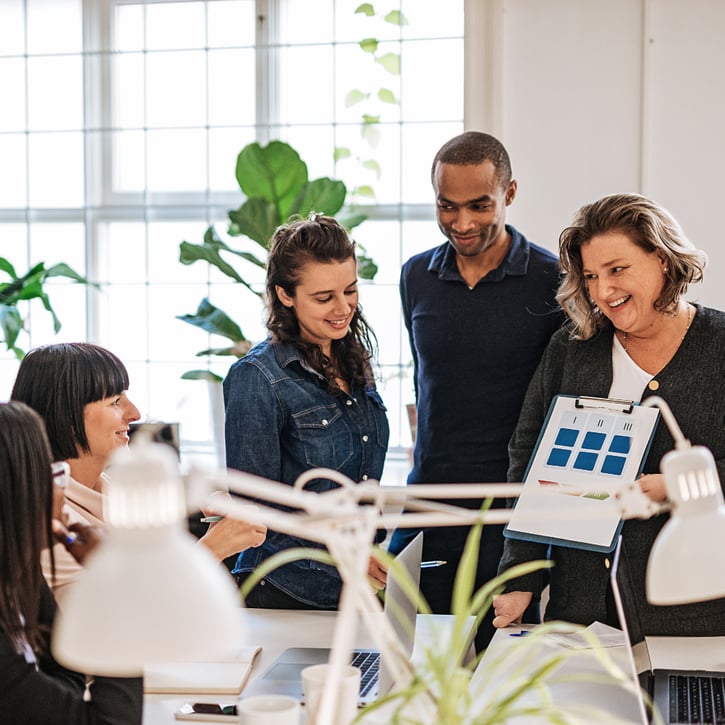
(275, 630)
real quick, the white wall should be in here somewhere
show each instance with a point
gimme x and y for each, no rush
(595, 97)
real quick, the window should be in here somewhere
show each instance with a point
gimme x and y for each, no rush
(121, 126)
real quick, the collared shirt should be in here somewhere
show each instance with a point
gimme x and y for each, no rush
(474, 352)
(281, 420)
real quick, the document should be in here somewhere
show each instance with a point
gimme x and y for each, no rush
(227, 677)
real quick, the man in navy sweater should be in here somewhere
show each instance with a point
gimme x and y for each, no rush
(479, 310)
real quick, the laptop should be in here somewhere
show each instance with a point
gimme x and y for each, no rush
(680, 696)
(284, 677)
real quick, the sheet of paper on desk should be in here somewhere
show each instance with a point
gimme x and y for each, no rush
(218, 678)
(606, 636)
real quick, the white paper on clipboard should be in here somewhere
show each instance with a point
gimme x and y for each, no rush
(587, 450)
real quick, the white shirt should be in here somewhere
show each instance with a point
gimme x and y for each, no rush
(628, 380)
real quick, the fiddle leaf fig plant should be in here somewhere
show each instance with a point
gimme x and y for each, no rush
(27, 287)
(277, 187)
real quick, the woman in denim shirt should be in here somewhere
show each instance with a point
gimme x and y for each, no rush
(305, 397)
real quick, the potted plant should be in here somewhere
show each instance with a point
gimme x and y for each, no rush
(275, 182)
(27, 287)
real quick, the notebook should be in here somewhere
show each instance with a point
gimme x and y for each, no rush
(681, 696)
(204, 678)
(284, 675)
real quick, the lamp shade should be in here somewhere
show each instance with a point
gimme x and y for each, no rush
(150, 593)
(687, 562)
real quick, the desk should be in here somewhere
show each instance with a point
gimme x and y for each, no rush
(275, 630)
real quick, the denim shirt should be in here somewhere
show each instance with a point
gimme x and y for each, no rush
(281, 421)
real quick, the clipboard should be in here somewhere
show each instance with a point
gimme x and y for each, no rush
(588, 449)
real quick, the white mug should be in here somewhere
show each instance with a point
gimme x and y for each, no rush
(269, 710)
(315, 679)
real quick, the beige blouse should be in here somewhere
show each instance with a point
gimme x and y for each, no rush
(82, 505)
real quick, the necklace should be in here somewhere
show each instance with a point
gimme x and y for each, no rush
(689, 322)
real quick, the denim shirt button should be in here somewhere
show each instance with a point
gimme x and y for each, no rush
(365, 439)
(348, 402)
(365, 477)
(325, 423)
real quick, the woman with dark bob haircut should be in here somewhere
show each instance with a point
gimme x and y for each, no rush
(34, 688)
(632, 334)
(80, 391)
(306, 398)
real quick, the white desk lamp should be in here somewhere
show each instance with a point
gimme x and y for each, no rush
(97, 632)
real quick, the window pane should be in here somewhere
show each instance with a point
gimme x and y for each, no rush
(54, 26)
(55, 93)
(129, 168)
(231, 23)
(176, 160)
(175, 89)
(12, 29)
(175, 25)
(306, 22)
(12, 91)
(129, 109)
(13, 171)
(231, 87)
(306, 98)
(224, 147)
(446, 22)
(56, 169)
(128, 28)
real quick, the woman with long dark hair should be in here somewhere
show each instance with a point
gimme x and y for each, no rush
(34, 688)
(306, 397)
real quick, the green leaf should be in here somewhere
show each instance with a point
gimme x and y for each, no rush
(395, 17)
(274, 173)
(364, 190)
(5, 266)
(354, 97)
(63, 270)
(369, 45)
(210, 318)
(385, 95)
(391, 63)
(325, 196)
(10, 323)
(342, 152)
(366, 268)
(257, 219)
(374, 166)
(202, 375)
(351, 219)
(365, 9)
(369, 119)
(208, 252)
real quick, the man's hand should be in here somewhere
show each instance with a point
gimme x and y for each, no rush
(510, 607)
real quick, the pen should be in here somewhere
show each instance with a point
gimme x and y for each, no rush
(210, 519)
(432, 564)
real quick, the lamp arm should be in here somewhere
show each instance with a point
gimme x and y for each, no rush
(655, 401)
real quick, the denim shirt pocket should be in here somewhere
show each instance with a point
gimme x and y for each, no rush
(326, 439)
(380, 418)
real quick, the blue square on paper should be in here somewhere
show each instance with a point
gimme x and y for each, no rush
(593, 441)
(586, 461)
(613, 465)
(558, 457)
(566, 437)
(620, 444)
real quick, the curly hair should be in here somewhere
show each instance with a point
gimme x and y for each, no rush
(324, 240)
(472, 148)
(650, 227)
